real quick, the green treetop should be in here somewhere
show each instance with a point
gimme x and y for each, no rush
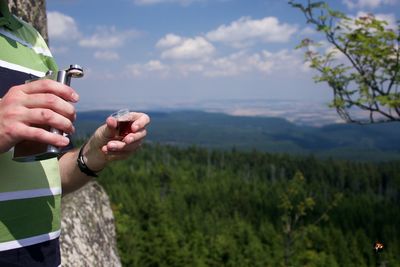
(361, 66)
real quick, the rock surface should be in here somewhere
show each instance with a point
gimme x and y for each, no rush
(88, 232)
(32, 11)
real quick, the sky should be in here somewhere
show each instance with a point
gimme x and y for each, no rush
(149, 54)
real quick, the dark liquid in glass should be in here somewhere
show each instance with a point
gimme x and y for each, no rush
(124, 128)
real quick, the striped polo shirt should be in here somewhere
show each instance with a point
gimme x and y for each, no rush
(30, 192)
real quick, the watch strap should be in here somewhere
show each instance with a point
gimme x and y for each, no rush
(82, 165)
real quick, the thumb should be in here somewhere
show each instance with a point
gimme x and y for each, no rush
(110, 129)
(106, 132)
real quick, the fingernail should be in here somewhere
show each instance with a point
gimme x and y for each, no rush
(75, 97)
(112, 146)
(64, 141)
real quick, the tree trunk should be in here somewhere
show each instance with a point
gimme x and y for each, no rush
(32, 11)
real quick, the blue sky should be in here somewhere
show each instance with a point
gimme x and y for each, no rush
(184, 53)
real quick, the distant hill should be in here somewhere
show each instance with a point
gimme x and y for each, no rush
(378, 142)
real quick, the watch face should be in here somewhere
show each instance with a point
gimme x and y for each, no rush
(82, 165)
(82, 162)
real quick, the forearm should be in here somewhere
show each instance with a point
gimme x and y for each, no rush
(72, 178)
(103, 147)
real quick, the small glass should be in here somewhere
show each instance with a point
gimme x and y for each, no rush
(124, 120)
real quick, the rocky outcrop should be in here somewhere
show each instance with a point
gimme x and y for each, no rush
(32, 11)
(88, 232)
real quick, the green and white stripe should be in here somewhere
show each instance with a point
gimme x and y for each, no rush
(29, 241)
(20, 68)
(17, 176)
(24, 56)
(38, 49)
(30, 201)
(23, 194)
(28, 49)
(30, 192)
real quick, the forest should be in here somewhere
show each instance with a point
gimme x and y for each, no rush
(196, 206)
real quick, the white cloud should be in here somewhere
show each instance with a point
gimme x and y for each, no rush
(389, 18)
(367, 3)
(231, 65)
(236, 64)
(185, 48)
(181, 2)
(61, 26)
(59, 49)
(307, 31)
(153, 66)
(263, 62)
(106, 55)
(336, 54)
(107, 37)
(186, 69)
(169, 40)
(154, 2)
(246, 30)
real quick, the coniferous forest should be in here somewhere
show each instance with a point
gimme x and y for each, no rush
(192, 206)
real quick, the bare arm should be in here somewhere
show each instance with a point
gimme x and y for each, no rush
(102, 148)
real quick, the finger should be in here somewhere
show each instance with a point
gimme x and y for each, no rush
(52, 87)
(42, 136)
(106, 132)
(120, 147)
(39, 116)
(53, 102)
(133, 146)
(136, 136)
(125, 144)
(110, 129)
(140, 120)
(115, 146)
